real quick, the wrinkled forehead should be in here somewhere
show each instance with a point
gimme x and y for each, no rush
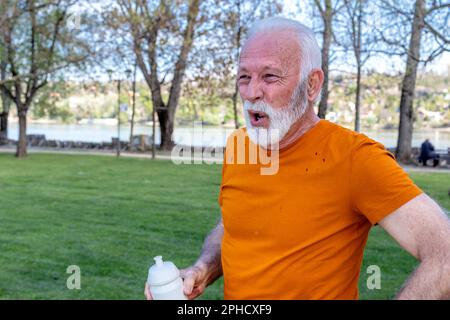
(275, 48)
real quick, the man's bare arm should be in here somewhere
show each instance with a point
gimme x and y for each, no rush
(208, 266)
(423, 229)
(210, 257)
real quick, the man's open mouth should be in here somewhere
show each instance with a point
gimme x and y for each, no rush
(259, 118)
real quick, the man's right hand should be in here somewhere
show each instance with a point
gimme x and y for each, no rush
(207, 268)
(147, 293)
(194, 283)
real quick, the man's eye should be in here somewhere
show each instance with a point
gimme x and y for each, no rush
(270, 77)
(243, 79)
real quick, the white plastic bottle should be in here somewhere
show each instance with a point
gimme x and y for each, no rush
(164, 281)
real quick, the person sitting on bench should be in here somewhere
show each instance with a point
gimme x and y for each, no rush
(427, 152)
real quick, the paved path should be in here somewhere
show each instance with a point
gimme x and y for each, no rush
(110, 153)
(167, 156)
(426, 169)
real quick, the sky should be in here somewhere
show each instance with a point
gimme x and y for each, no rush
(300, 11)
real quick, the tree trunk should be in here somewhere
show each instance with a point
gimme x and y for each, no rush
(166, 126)
(133, 105)
(403, 152)
(358, 99)
(238, 49)
(21, 151)
(357, 33)
(5, 104)
(235, 95)
(3, 126)
(326, 43)
(180, 67)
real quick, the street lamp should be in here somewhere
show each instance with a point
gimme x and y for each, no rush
(118, 115)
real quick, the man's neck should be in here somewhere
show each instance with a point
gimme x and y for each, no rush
(299, 128)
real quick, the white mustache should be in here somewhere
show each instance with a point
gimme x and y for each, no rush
(280, 119)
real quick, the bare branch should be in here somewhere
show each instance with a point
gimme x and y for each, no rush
(436, 52)
(396, 9)
(319, 6)
(436, 33)
(7, 91)
(437, 7)
(33, 47)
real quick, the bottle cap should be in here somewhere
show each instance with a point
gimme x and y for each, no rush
(162, 272)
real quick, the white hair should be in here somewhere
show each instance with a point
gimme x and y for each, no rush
(309, 55)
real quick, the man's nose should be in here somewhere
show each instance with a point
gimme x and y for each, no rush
(254, 93)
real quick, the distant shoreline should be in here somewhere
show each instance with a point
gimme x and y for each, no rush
(113, 122)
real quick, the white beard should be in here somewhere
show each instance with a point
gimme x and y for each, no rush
(280, 119)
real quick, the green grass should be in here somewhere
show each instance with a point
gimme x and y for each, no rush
(395, 263)
(110, 216)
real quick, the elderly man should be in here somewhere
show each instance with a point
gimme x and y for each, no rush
(300, 233)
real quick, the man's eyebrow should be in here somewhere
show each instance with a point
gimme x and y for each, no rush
(266, 68)
(274, 69)
(243, 69)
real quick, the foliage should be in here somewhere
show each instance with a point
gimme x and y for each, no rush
(211, 101)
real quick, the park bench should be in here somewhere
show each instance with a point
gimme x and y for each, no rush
(444, 156)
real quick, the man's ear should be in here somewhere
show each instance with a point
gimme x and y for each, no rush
(315, 81)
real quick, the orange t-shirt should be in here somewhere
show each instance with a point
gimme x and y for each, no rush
(300, 233)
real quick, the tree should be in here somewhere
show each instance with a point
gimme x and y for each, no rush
(7, 8)
(241, 17)
(327, 13)
(154, 28)
(37, 43)
(403, 151)
(238, 45)
(360, 43)
(429, 36)
(215, 64)
(133, 102)
(114, 55)
(5, 101)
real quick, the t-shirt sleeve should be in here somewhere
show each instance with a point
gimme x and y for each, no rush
(378, 184)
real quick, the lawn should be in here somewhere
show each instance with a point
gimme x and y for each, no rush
(110, 216)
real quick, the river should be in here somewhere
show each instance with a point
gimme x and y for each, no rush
(195, 136)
